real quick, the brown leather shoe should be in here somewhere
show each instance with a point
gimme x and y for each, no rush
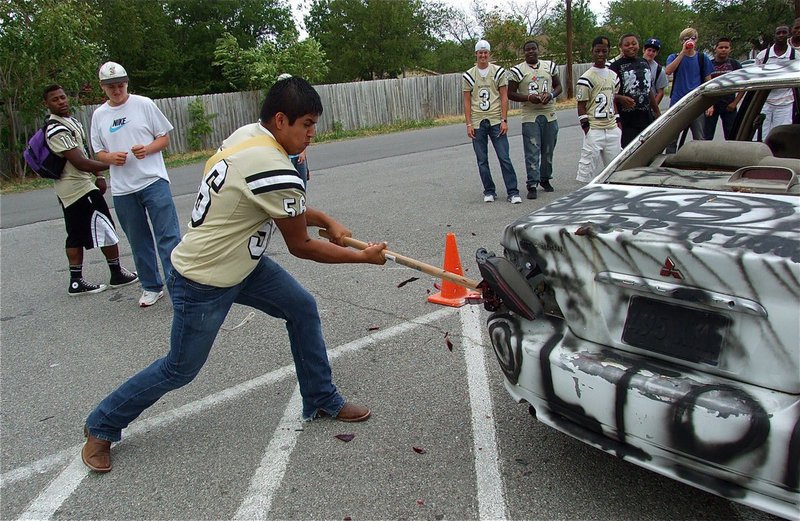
(353, 413)
(96, 453)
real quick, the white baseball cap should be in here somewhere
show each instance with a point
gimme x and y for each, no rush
(111, 72)
(482, 45)
(284, 76)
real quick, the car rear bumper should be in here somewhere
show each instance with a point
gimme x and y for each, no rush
(735, 440)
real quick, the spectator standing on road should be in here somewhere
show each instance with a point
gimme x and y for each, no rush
(129, 133)
(657, 73)
(80, 192)
(778, 108)
(301, 165)
(485, 88)
(637, 105)
(595, 92)
(795, 40)
(536, 85)
(690, 69)
(724, 108)
(249, 189)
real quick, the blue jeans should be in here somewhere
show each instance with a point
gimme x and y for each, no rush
(133, 209)
(198, 314)
(539, 141)
(720, 111)
(697, 133)
(480, 144)
(302, 168)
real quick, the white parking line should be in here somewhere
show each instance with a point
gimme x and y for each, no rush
(491, 495)
(273, 465)
(45, 505)
(57, 491)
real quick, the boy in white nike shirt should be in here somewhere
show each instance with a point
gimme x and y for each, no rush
(128, 134)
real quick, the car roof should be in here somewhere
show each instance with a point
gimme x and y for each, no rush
(754, 77)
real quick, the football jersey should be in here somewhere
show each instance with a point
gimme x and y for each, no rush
(64, 134)
(535, 80)
(485, 93)
(597, 87)
(234, 214)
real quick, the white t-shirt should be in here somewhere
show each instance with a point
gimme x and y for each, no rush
(779, 96)
(116, 129)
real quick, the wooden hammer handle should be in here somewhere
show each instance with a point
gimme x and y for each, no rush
(411, 263)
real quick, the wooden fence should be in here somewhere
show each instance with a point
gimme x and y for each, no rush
(349, 105)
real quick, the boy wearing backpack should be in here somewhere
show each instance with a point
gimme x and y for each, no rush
(778, 108)
(660, 80)
(80, 191)
(690, 69)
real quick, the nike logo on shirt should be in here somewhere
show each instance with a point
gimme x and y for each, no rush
(117, 124)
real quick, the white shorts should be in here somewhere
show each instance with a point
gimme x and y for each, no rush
(600, 147)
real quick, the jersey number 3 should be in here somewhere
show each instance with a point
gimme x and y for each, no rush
(213, 181)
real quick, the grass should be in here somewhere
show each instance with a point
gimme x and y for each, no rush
(336, 134)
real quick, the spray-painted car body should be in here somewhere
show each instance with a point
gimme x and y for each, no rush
(667, 327)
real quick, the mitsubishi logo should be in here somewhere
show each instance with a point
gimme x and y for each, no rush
(669, 269)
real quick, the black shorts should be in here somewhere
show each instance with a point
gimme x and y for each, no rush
(89, 223)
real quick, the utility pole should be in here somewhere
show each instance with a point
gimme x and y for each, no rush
(568, 79)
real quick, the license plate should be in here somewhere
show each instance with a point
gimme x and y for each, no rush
(687, 333)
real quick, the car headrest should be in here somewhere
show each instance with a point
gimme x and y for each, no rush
(784, 141)
(726, 155)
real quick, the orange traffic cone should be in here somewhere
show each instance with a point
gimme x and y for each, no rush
(452, 294)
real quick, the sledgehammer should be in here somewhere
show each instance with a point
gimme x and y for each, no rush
(411, 263)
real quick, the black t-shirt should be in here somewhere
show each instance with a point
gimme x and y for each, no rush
(634, 81)
(721, 68)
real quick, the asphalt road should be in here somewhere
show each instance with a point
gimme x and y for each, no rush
(230, 444)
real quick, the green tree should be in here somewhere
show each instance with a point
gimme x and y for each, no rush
(140, 36)
(259, 67)
(662, 19)
(41, 42)
(506, 34)
(368, 39)
(750, 24)
(447, 56)
(553, 43)
(200, 23)
(167, 46)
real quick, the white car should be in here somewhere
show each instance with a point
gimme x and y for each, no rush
(655, 313)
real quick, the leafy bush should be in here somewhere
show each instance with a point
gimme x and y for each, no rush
(199, 125)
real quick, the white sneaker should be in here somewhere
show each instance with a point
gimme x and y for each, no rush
(488, 198)
(515, 199)
(149, 298)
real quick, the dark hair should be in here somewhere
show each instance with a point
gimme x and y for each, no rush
(600, 40)
(51, 88)
(293, 96)
(628, 35)
(722, 39)
(534, 42)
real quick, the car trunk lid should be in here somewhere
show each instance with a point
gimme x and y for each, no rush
(709, 280)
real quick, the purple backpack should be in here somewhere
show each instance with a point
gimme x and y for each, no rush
(40, 158)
